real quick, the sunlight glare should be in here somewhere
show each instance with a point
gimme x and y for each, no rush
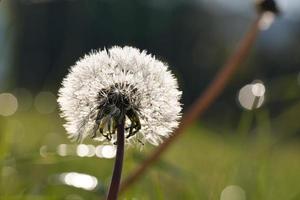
(82, 150)
(106, 151)
(78, 180)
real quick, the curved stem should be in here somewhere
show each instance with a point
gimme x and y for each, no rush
(203, 102)
(115, 181)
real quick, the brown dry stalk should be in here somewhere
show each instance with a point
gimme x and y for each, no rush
(203, 102)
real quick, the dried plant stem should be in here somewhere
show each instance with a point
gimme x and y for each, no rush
(204, 101)
(116, 178)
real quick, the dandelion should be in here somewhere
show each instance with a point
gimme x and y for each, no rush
(120, 94)
(267, 6)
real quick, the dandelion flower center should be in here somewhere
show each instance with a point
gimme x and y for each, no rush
(113, 107)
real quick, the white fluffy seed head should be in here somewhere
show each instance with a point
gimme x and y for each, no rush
(150, 89)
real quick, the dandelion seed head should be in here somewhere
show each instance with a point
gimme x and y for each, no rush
(107, 84)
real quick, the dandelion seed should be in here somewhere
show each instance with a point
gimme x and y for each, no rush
(105, 85)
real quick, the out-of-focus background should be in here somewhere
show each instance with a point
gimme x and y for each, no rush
(237, 151)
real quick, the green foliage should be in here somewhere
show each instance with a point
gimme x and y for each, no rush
(259, 159)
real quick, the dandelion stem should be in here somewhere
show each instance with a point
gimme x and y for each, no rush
(197, 109)
(115, 181)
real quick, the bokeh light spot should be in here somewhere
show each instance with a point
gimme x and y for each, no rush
(62, 150)
(258, 89)
(106, 151)
(8, 104)
(233, 192)
(44, 151)
(266, 20)
(92, 150)
(252, 96)
(82, 150)
(78, 180)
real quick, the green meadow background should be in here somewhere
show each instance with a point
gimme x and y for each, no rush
(231, 153)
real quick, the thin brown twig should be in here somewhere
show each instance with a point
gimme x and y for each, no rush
(204, 101)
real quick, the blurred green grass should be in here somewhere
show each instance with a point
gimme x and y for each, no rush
(260, 156)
